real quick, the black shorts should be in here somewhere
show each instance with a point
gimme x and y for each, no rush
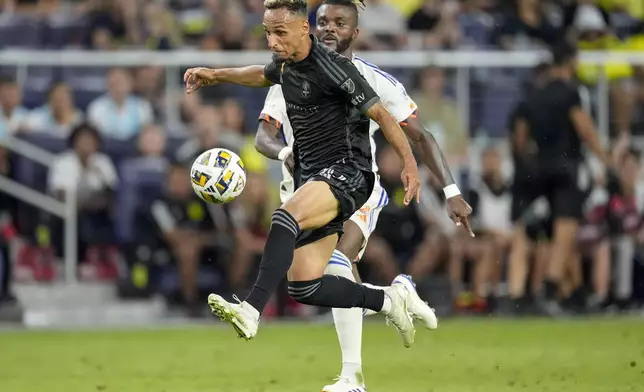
(351, 186)
(557, 181)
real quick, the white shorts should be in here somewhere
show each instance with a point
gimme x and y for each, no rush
(366, 217)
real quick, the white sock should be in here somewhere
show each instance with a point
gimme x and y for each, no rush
(369, 312)
(348, 322)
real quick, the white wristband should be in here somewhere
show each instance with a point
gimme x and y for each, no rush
(286, 151)
(451, 191)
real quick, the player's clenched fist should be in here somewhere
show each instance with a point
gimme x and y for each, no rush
(196, 78)
(410, 180)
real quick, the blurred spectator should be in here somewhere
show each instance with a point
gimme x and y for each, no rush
(13, 114)
(119, 114)
(101, 39)
(437, 19)
(382, 26)
(7, 233)
(594, 33)
(232, 116)
(151, 147)
(58, 116)
(526, 27)
(593, 244)
(232, 34)
(441, 117)
(491, 200)
(400, 241)
(149, 85)
(198, 17)
(163, 32)
(625, 220)
(205, 135)
(191, 105)
(116, 20)
(91, 175)
(209, 43)
(184, 226)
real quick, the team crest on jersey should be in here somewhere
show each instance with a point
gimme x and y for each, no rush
(306, 89)
(349, 86)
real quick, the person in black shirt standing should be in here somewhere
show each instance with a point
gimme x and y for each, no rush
(329, 104)
(554, 119)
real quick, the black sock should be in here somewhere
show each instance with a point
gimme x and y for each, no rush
(551, 289)
(276, 260)
(336, 292)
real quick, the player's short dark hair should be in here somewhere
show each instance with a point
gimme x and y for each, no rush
(354, 5)
(83, 128)
(299, 7)
(563, 53)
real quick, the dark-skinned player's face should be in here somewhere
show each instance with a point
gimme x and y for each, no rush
(336, 26)
(285, 32)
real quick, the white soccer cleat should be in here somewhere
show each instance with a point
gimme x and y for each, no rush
(241, 316)
(417, 308)
(345, 384)
(399, 316)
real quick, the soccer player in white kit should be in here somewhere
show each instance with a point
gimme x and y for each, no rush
(337, 22)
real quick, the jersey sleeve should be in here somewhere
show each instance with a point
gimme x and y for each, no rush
(274, 110)
(350, 83)
(395, 99)
(273, 72)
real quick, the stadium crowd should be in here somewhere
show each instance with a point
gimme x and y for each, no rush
(141, 225)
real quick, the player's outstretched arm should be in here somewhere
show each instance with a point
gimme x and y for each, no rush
(432, 156)
(430, 153)
(250, 76)
(396, 137)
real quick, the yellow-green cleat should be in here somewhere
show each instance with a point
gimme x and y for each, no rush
(243, 317)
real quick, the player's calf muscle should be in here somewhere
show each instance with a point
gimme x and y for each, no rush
(313, 205)
(351, 241)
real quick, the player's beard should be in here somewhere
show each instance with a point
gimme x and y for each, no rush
(342, 45)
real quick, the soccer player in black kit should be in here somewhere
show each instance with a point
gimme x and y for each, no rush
(329, 104)
(555, 123)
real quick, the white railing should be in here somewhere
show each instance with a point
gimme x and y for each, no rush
(462, 61)
(65, 210)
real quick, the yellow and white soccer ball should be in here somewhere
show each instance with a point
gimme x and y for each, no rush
(218, 176)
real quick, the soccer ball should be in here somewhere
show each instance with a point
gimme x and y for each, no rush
(218, 176)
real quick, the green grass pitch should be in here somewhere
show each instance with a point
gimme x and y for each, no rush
(461, 356)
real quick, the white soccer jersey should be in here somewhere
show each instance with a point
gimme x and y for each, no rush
(391, 92)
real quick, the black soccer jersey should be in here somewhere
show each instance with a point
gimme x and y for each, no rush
(326, 98)
(547, 112)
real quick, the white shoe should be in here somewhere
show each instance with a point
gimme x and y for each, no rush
(418, 308)
(241, 316)
(399, 316)
(345, 384)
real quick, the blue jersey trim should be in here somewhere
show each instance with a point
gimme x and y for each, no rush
(384, 74)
